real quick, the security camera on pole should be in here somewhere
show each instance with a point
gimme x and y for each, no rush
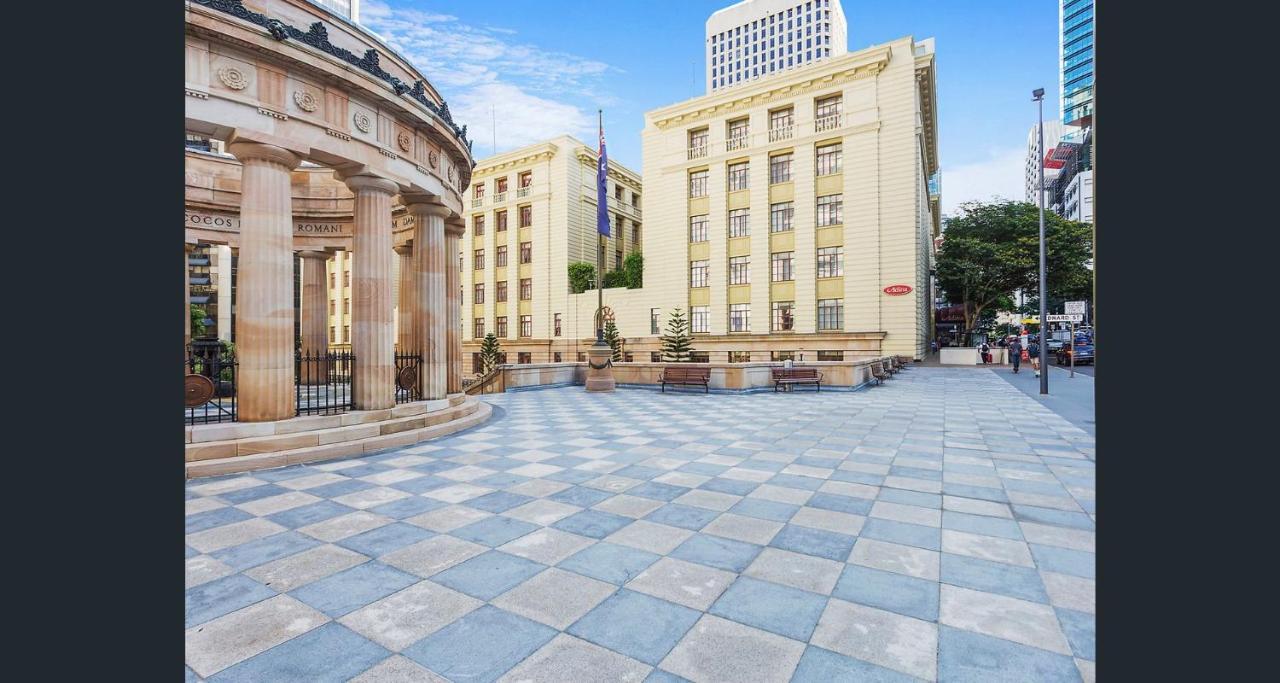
(1038, 96)
(599, 356)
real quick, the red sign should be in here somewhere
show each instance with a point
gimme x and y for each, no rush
(897, 290)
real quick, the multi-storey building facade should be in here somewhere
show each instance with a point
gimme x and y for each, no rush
(1054, 131)
(1075, 50)
(755, 39)
(532, 212)
(793, 213)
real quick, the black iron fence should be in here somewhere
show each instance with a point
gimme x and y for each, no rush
(323, 382)
(210, 384)
(408, 377)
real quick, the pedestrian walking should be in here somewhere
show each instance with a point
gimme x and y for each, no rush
(933, 346)
(1015, 353)
(986, 353)
(1033, 350)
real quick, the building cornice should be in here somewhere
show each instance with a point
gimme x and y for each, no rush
(519, 157)
(617, 171)
(926, 83)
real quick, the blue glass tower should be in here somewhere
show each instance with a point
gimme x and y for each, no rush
(1075, 48)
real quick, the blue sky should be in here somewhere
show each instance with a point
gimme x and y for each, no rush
(544, 67)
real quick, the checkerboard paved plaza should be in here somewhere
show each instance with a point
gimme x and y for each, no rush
(940, 527)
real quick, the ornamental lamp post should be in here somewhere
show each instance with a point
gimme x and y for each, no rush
(1037, 96)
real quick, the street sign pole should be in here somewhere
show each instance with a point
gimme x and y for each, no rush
(1073, 348)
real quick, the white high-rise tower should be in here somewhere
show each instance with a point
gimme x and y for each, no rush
(756, 38)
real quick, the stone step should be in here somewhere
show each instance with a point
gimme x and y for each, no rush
(463, 417)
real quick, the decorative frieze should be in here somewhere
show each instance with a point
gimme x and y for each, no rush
(273, 114)
(305, 100)
(233, 78)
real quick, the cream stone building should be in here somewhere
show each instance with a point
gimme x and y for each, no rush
(532, 212)
(793, 215)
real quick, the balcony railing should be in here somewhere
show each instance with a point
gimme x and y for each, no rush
(523, 191)
(831, 122)
(698, 151)
(477, 202)
(736, 143)
(780, 133)
(499, 197)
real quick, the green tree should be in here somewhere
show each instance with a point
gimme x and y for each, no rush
(198, 314)
(581, 274)
(489, 350)
(611, 336)
(677, 343)
(992, 249)
(615, 278)
(633, 266)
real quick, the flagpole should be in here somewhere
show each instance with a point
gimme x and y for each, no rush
(600, 258)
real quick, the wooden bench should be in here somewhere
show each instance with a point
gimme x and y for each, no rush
(685, 377)
(792, 376)
(904, 361)
(878, 374)
(889, 366)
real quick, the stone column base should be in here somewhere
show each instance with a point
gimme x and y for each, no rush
(599, 369)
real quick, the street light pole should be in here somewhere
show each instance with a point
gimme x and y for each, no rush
(1038, 96)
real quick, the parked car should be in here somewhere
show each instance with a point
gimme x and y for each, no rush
(1055, 344)
(1083, 350)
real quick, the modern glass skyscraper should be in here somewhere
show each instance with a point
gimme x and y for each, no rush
(1075, 50)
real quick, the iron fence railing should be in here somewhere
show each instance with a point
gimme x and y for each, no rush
(408, 377)
(324, 382)
(210, 385)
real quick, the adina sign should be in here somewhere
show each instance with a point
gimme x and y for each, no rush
(897, 290)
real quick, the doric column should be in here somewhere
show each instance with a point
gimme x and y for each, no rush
(264, 293)
(406, 340)
(315, 299)
(431, 318)
(453, 231)
(372, 316)
(186, 294)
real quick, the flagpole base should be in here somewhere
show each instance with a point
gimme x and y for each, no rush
(600, 368)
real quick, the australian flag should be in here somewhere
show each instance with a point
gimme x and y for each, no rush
(602, 188)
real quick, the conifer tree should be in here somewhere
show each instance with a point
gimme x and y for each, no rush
(489, 350)
(611, 336)
(677, 343)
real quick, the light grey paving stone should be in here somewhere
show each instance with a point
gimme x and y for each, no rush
(1062, 537)
(388, 477)
(235, 637)
(405, 617)
(542, 512)
(612, 483)
(1020, 621)
(645, 535)
(311, 481)
(864, 467)
(398, 669)
(991, 548)
(911, 514)
(806, 572)
(196, 505)
(743, 528)
(362, 500)
(711, 500)
(534, 470)
(1071, 592)
(893, 557)
(566, 658)
(214, 488)
(986, 481)
(548, 546)
(684, 583)
(539, 488)
(781, 494)
(406, 461)
(974, 506)
(273, 504)
(1088, 670)
(685, 479)
(829, 520)
(447, 519)
(913, 484)
(884, 638)
(203, 569)
(457, 493)
(634, 507)
(741, 473)
(1038, 500)
(345, 526)
(718, 650)
(555, 597)
(300, 569)
(847, 488)
(433, 555)
(466, 472)
(227, 535)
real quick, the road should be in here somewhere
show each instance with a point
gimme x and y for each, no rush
(1082, 369)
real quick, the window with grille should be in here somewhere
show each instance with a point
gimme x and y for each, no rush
(739, 356)
(699, 273)
(700, 319)
(526, 326)
(739, 178)
(501, 294)
(501, 257)
(780, 216)
(698, 184)
(738, 130)
(829, 158)
(526, 216)
(739, 222)
(526, 179)
(502, 221)
(524, 356)
(653, 320)
(478, 297)
(780, 118)
(830, 210)
(698, 138)
(526, 252)
(556, 357)
(830, 314)
(698, 228)
(500, 323)
(830, 261)
(477, 328)
(479, 192)
(477, 226)
(739, 317)
(831, 355)
(778, 356)
(526, 288)
(740, 270)
(780, 168)
(780, 266)
(784, 316)
(500, 185)
(699, 356)
(478, 259)
(655, 356)
(557, 332)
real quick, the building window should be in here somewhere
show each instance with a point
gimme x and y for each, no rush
(526, 179)
(739, 356)
(477, 364)
(617, 259)
(501, 294)
(556, 357)
(346, 334)
(699, 356)
(830, 261)
(783, 316)
(556, 322)
(346, 306)
(655, 356)
(478, 298)
(526, 326)
(737, 134)
(780, 266)
(526, 252)
(628, 357)
(526, 288)
(780, 121)
(635, 235)
(478, 259)
(698, 143)
(700, 319)
(830, 210)
(477, 329)
(479, 191)
(501, 326)
(739, 223)
(635, 199)
(738, 176)
(582, 356)
(698, 228)
(346, 278)
(780, 216)
(780, 168)
(826, 113)
(699, 273)
(653, 320)
(830, 314)
(698, 184)
(500, 185)
(333, 307)
(477, 226)
(502, 221)
(501, 257)
(524, 357)
(778, 356)
(829, 158)
(333, 280)
(831, 355)
(740, 270)
(526, 216)
(617, 193)
(333, 335)
(739, 317)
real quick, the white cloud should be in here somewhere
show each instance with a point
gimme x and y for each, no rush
(522, 118)
(997, 176)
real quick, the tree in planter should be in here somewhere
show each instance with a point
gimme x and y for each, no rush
(489, 351)
(677, 344)
(615, 278)
(992, 249)
(633, 266)
(615, 343)
(581, 274)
